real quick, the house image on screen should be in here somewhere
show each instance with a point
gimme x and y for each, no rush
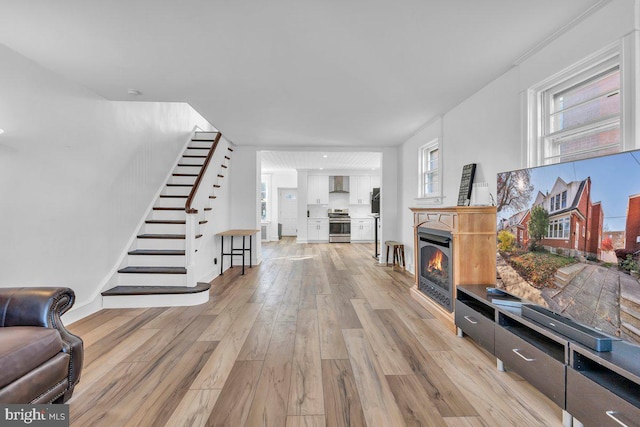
(632, 227)
(575, 222)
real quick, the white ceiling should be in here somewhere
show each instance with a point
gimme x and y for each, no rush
(364, 73)
(272, 161)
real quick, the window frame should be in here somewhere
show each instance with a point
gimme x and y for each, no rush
(536, 108)
(552, 232)
(423, 151)
(266, 179)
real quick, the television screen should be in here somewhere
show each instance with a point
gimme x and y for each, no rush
(569, 239)
(375, 201)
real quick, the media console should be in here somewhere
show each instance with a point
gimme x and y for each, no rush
(593, 388)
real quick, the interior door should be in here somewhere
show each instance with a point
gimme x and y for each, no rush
(288, 210)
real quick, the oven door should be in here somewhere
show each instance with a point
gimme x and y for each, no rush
(339, 231)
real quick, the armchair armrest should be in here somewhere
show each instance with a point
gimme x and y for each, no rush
(43, 306)
(34, 306)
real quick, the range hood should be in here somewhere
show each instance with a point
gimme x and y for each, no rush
(338, 184)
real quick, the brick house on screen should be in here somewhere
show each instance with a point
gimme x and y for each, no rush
(575, 222)
(632, 226)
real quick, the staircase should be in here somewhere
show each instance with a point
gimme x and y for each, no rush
(565, 275)
(158, 269)
(630, 307)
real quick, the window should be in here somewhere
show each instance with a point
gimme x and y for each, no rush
(578, 113)
(264, 197)
(559, 228)
(429, 169)
(557, 202)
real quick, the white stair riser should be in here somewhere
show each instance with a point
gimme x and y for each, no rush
(133, 279)
(196, 161)
(182, 180)
(205, 135)
(160, 244)
(160, 300)
(164, 229)
(187, 169)
(176, 191)
(168, 215)
(201, 144)
(157, 260)
(170, 202)
(193, 152)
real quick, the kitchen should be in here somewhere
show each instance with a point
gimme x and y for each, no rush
(334, 202)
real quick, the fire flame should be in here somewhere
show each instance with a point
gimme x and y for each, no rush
(435, 263)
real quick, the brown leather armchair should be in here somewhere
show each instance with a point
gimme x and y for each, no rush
(40, 360)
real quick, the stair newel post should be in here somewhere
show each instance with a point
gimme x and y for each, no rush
(190, 245)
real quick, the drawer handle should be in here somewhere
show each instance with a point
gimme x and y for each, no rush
(515, 350)
(611, 414)
(470, 320)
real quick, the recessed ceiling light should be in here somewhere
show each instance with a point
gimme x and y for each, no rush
(1, 131)
(321, 168)
(325, 156)
(134, 92)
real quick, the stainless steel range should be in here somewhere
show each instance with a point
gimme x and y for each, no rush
(339, 226)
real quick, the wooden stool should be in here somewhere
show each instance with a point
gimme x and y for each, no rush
(398, 252)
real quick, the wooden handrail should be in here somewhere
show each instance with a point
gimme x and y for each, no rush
(187, 206)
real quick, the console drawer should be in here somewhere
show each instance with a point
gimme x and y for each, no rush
(593, 404)
(476, 325)
(543, 371)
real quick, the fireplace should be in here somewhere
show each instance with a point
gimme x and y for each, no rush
(435, 264)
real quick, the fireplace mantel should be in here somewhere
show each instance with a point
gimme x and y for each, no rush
(473, 229)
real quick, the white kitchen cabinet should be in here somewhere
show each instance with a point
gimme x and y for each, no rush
(360, 190)
(375, 181)
(318, 230)
(318, 190)
(362, 229)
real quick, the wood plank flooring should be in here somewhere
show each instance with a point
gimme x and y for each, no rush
(318, 334)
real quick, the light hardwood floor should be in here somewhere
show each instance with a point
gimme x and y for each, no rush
(318, 334)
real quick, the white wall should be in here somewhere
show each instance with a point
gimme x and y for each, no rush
(218, 218)
(76, 174)
(245, 195)
(488, 127)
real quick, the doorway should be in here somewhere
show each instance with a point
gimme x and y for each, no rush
(288, 210)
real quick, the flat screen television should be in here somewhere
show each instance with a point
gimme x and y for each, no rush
(569, 239)
(375, 201)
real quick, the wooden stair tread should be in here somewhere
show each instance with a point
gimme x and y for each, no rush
(154, 270)
(155, 290)
(164, 236)
(199, 148)
(157, 208)
(189, 165)
(184, 174)
(170, 252)
(205, 140)
(171, 196)
(179, 185)
(194, 156)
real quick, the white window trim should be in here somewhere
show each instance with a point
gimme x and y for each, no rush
(266, 177)
(436, 196)
(558, 220)
(625, 51)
